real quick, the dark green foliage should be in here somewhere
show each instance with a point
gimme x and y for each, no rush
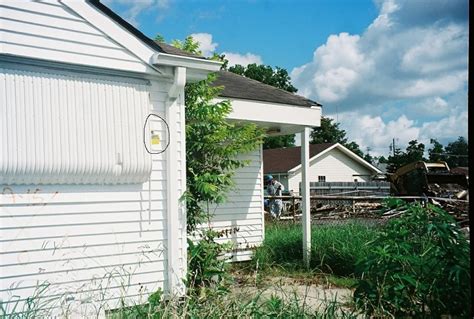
(414, 152)
(207, 266)
(330, 132)
(334, 248)
(279, 141)
(159, 38)
(369, 158)
(436, 151)
(418, 266)
(277, 77)
(457, 152)
(212, 145)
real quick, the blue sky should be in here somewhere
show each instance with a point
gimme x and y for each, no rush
(385, 68)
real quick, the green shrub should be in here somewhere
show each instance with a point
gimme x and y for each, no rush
(417, 266)
(207, 264)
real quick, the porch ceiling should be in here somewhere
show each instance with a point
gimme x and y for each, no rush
(277, 119)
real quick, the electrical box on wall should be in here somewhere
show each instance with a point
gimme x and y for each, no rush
(155, 140)
(70, 128)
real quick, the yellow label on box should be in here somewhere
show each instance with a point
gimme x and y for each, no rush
(155, 140)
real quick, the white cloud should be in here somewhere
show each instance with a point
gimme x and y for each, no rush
(404, 77)
(391, 60)
(377, 134)
(242, 59)
(206, 45)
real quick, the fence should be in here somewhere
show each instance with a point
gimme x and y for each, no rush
(375, 188)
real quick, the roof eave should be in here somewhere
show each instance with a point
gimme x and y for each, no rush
(197, 68)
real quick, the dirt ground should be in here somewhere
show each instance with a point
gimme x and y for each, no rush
(311, 294)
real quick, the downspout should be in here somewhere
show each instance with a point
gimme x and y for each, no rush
(174, 105)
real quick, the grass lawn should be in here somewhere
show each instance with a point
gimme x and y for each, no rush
(334, 249)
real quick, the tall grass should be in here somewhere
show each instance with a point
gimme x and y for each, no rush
(219, 306)
(334, 248)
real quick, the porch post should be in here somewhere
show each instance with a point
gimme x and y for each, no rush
(305, 197)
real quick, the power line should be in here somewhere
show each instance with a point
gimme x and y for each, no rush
(447, 154)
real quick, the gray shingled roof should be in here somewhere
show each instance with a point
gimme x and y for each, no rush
(240, 87)
(169, 49)
(235, 86)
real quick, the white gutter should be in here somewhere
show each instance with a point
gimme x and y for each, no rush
(184, 61)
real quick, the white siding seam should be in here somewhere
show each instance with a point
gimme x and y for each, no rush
(42, 13)
(51, 27)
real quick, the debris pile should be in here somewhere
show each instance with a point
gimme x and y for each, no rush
(457, 208)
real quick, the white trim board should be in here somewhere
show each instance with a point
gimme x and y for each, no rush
(288, 118)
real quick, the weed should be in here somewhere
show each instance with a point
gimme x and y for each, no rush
(417, 266)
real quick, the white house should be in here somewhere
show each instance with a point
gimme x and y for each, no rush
(92, 159)
(329, 162)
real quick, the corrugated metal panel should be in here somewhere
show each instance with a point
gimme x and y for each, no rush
(71, 129)
(243, 210)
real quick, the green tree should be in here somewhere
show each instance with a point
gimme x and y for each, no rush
(278, 78)
(414, 152)
(159, 38)
(188, 45)
(212, 145)
(395, 160)
(457, 153)
(369, 158)
(330, 132)
(435, 153)
(279, 141)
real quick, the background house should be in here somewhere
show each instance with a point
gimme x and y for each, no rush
(329, 162)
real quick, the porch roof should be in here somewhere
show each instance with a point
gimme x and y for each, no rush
(241, 87)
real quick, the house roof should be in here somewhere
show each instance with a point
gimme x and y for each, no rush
(240, 87)
(235, 86)
(281, 160)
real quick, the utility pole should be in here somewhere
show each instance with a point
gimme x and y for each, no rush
(393, 146)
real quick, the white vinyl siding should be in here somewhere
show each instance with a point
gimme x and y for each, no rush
(243, 210)
(51, 31)
(335, 166)
(91, 245)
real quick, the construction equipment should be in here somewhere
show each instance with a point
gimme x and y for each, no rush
(428, 179)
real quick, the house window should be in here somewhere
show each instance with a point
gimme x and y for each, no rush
(321, 178)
